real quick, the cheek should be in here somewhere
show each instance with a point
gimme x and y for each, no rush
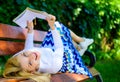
(23, 62)
(35, 65)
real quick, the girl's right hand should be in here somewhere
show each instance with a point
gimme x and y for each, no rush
(30, 26)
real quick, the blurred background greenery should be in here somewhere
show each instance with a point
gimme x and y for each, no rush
(97, 19)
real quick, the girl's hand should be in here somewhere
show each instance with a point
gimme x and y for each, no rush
(51, 20)
(30, 26)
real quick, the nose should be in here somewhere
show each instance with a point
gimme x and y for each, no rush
(32, 56)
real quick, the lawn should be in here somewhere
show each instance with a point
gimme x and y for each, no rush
(109, 69)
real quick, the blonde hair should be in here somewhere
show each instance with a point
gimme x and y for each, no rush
(13, 69)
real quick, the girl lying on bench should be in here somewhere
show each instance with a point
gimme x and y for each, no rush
(57, 54)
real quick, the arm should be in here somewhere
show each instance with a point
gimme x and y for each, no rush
(29, 39)
(56, 36)
(59, 49)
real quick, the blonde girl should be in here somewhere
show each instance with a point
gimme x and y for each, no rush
(56, 54)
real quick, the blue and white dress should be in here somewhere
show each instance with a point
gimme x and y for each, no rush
(72, 61)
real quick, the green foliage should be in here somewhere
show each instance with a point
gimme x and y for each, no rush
(97, 19)
(3, 59)
(1, 66)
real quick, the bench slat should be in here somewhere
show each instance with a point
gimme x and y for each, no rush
(62, 77)
(10, 48)
(71, 77)
(14, 32)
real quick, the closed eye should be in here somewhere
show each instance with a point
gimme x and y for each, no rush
(30, 63)
(25, 55)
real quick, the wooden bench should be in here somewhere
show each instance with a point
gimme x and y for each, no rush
(12, 40)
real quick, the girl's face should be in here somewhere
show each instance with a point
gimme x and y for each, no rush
(29, 60)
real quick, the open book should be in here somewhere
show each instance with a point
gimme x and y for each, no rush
(28, 15)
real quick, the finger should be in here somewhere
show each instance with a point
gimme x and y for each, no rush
(49, 17)
(52, 18)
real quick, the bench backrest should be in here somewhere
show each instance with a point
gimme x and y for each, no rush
(12, 38)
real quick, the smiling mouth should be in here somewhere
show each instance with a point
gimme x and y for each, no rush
(37, 69)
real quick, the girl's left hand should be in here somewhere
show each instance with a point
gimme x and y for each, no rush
(51, 20)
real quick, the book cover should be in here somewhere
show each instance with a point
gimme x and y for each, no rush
(28, 15)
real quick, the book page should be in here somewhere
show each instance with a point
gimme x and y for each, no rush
(29, 15)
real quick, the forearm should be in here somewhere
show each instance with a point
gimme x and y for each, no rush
(52, 27)
(29, 41)
(29, 37)
(57, 39)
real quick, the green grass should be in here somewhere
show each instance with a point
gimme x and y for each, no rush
(109, 69)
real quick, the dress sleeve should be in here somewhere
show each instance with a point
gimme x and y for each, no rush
(29, 41)
(57, 39)
(58, 53)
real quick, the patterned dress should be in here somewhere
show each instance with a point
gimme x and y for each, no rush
(72, 61)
